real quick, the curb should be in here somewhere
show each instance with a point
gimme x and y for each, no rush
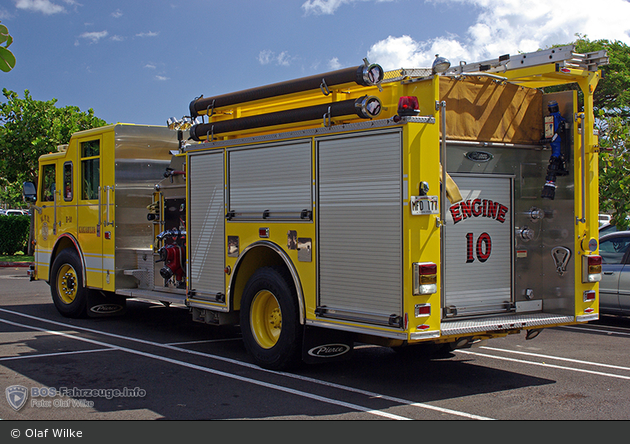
(15, 264)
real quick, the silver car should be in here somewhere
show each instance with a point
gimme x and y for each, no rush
(614, 288)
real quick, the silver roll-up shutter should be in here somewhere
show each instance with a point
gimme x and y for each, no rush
(478, 236)
(206, 224)
(272, 179)
(360, 227)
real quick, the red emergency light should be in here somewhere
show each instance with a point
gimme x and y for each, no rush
(408, 106)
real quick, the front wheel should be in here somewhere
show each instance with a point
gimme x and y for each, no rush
(66, 285)
(270, 320)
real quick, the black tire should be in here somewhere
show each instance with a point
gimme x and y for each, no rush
(270, 319)
(66, 285)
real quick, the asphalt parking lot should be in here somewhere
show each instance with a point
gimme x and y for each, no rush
(155, 363)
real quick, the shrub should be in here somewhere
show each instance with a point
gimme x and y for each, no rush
(14, 233)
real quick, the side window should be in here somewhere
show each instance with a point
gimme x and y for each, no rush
(613, 250)
(90, 169)
(67, 181)
(47, 189)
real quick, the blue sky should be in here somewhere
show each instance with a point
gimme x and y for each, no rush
(143, 61)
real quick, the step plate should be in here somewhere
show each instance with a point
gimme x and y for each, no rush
(499, 323)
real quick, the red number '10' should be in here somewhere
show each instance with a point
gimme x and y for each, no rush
(483, 247)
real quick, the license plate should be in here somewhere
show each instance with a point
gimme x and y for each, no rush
(423, 205)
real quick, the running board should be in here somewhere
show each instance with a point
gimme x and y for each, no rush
(499, 323)
(160, 296)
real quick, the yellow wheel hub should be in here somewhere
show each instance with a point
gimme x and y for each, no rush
(265, 319)
(67, 284)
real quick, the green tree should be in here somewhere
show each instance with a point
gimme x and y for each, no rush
(7, 59)
(612, 108)
(28, 129)
(614, 170)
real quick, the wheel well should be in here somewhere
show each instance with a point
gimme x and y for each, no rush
(63, 243)
(257, 256)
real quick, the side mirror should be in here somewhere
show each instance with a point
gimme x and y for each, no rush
(30, 192)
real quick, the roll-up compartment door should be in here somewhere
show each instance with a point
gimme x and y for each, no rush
(478, 247)
(206, 225)
(360, 228)
(271, 181)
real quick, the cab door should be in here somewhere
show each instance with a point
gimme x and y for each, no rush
(45, 220)
(89, 210)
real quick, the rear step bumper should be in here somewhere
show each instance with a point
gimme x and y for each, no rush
(503, 323)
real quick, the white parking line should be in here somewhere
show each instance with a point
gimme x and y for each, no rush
(557, 358)
(214, 372)
(252, 366)
(542, 364)
(597, 330)
(46, 355)
(205, 341)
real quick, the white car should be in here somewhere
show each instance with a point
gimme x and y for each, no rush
(16, 213)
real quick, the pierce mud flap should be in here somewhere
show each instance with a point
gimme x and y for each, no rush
(322, 345)
(101, 304)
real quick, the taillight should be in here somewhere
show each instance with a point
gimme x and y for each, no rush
(589, 295)
(408, 106)
(422, 310)
(424, 278)
(591, 269)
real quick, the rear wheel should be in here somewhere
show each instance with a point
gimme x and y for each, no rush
(269, 319)
(66, 285)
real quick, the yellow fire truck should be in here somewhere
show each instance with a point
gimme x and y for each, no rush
(446, 205)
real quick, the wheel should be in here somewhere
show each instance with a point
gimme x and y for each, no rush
(66, 285)
(269, 319)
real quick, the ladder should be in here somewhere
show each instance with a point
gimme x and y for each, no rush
(563, 56)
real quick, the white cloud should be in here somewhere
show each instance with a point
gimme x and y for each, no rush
(117, 13)
(328, 7)
(323, 6)
(147, 34)
(267, 56)
(283, 58)
(94, 37)
(162, 78)
(118, 38)
(334, 64)
(44, 6)
(4, 14)
(509, 27)
(150, 66)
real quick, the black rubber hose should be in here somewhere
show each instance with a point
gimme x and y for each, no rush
(364, 107)
(362, 75)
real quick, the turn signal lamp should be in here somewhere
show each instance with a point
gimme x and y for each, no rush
(408, 106)
(424, 278)
(591, 268)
